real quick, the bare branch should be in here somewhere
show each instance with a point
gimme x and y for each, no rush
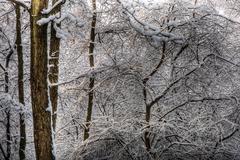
(20, 4)
(193, 101)
(1, 148)
(1, 66)
(168, 88)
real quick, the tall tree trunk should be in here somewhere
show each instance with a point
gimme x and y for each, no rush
(43, 138)
(18, 44)
(54, 69)
(92, 79)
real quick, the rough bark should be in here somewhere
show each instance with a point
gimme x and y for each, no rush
(39, 85)
(92, 79)
(54, 69)
(18, 44)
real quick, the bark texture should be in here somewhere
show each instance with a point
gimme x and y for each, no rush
(39, 84)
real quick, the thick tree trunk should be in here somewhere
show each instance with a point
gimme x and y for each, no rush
(18, 44)
(92, 79)
(54, 69)
(39, 85)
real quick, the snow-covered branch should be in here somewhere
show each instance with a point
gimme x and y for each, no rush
(151, 31)
(52, 9)
(43, 21)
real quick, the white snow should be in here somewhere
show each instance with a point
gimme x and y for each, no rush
(49, 9)
(43, 21)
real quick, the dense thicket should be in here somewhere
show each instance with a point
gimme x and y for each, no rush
(113, 79)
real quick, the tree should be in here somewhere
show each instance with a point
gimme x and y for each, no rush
(139, 79)
(169, 55)
(18, 45)
(43, 137)
(53, 65)
(5, 68)
(91, 63)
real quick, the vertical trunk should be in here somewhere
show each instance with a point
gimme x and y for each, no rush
(147, 118)
(147, 133)
(18, 44)
(53, 70)
(89, 109)
(39, 85)
(8, 134)
(92, 79)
